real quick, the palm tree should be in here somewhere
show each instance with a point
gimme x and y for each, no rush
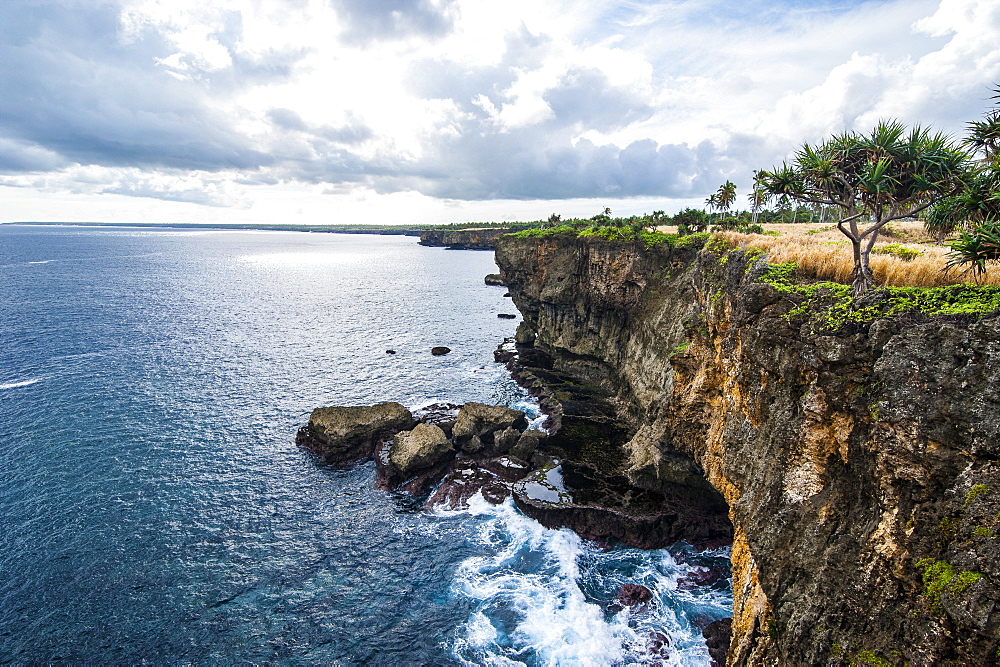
(757, 199)
(879, 177)
(712, 202)
(725, 197)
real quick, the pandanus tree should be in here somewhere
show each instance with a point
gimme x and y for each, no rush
(977, 206)
(872, 179)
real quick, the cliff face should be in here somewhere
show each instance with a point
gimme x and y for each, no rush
(464, 239)
(859, 467)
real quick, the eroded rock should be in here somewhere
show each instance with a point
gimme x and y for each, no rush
(341, 435)
(477, 423)
(424, 446)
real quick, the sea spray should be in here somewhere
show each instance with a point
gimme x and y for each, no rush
(541, 596)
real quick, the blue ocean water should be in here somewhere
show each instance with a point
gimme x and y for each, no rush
(153, 506)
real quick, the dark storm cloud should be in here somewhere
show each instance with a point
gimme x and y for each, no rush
(74, 89)
(369, 20)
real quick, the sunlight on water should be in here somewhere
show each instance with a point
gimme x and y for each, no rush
(155, 506)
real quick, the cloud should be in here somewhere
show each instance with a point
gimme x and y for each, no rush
(366, 21)
(211, 102)
(86, 96)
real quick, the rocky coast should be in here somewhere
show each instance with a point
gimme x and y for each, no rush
(847, 453)
(852, 461)
(462, 239)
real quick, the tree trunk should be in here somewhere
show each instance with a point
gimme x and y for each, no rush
(864, 280)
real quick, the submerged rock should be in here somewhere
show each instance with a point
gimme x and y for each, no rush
(630, 595)
(341, 435)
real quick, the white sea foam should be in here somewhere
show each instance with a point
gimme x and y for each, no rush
(23, 383)
(540, 597)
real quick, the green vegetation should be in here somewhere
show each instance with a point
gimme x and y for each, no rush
(975, 492)
(889, 174)
(897, 250)
(869, 658)
(975, 208)
(830, 306)
(940, 576)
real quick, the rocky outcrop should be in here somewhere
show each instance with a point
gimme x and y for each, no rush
(419, 454)
(463, 239)
(342, 435)
(492, 427)
(858, 466)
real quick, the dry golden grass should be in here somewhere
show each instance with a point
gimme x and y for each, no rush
(826, 255)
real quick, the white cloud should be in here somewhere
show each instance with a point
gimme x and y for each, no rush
(229, 104)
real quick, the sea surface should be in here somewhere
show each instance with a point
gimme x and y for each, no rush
(154, 507)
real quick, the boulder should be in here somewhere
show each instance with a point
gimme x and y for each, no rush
(504, 441)
(527, 444)
(524, 335)
(423, 447)
(494, 279)
(440, 350)
(477, 423)
(341, 435)
(505, 352)
(630, 595)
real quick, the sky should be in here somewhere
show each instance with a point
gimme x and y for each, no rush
(440, 111)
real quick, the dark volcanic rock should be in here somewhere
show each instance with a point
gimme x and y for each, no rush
(658, 646)
(440, 350)
(630, 595)
(390, 351)
(608, 509)
(505, 352)
(705, 576)
(442, 415)
(506, 316)
(717, 637)
(343, 435)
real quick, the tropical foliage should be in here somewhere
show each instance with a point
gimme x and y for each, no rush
(871, 179)
(976, 208)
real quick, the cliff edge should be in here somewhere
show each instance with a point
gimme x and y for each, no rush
(857, 455)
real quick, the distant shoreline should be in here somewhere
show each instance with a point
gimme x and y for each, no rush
(332, 229)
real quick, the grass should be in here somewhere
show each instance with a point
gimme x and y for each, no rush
(821, 252)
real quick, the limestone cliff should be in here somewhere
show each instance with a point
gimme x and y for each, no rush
(859, 465)
(462, 239)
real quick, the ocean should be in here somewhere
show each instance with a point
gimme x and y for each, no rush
(154, 507)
